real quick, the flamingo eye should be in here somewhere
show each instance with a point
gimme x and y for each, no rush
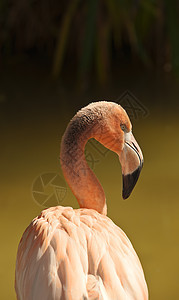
(123, 127)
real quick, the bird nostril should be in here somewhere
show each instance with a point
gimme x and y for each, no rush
(135, 147)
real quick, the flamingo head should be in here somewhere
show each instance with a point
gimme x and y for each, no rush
(122, 141)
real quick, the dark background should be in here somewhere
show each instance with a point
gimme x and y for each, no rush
(56, 57)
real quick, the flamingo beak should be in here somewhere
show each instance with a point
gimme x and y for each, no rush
(131, 160)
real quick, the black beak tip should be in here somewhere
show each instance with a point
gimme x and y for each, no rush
(129, 181)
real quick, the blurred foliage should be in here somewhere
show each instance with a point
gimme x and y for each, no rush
(91, 37)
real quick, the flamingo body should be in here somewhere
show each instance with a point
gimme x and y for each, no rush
(77, 254)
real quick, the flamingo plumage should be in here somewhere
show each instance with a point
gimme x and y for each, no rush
(78, 254)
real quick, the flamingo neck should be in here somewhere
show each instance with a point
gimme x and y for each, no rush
(80, 178)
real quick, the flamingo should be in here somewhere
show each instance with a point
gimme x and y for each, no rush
(78, 254)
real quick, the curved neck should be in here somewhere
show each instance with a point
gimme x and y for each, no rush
(80, 178)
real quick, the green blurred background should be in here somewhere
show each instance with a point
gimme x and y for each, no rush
(57, 56)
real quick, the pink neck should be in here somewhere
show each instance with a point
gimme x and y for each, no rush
(80, 178)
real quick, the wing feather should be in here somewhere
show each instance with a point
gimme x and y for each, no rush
(68, 254)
